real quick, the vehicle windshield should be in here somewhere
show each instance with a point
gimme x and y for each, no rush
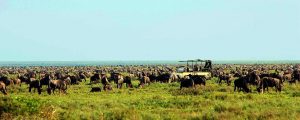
(180, 70)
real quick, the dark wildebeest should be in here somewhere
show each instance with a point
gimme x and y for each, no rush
(61, 85)
(163, 77)
(95, 89)
(114, 77)
(6, 81)
(34, 83)
(241, 84)
(45, 80)
(269, 82)
(58, 75)
(273, 75)
(153, 77)
(225, 77)
(128, 82)
(74, 79)
(24, 79)
(3, 88)
(82, 76)
(252, 78)
(95, 78)
(187, 82)
(198, 80)
(296, 76)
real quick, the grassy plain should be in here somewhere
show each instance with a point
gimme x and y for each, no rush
(156, 101)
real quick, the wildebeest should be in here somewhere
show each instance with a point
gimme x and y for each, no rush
(225, 77)
(67, 80)
(75, 79)
(273, 75)
(95, 78)
(241, 84)
(287, 77)
(187, 82)
(144, 80)
(198, 80)
(296, 76)
(128, 82)
(6, 81)
(61, 85)
(173, 77)
(153, 77)
(17, 81)
(121, 80)
(82, 76)
(95, 89)
(163, 77)
(24, 79)
(45, 80)
(252, 78)
(3, 88)
(34, 83)
(105, 83)
(59, 75)
(269, 82)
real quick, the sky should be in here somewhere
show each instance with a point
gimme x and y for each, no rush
(92, 30)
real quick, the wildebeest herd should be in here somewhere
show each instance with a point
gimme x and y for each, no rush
(52, 78)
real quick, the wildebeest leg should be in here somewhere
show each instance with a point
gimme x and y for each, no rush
(39, 90)
(4, 91)
(227, 82)
(234, 88)
(104, 87)
(30, 88)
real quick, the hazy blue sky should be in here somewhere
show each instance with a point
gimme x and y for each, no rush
(149, 29)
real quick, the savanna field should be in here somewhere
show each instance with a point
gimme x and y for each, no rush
(150, 60)
(156, 101)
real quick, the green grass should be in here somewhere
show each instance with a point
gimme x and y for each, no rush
(157, 101)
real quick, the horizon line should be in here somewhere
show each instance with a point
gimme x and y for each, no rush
(132, 60)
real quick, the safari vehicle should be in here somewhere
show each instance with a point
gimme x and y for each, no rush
(192, 67)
